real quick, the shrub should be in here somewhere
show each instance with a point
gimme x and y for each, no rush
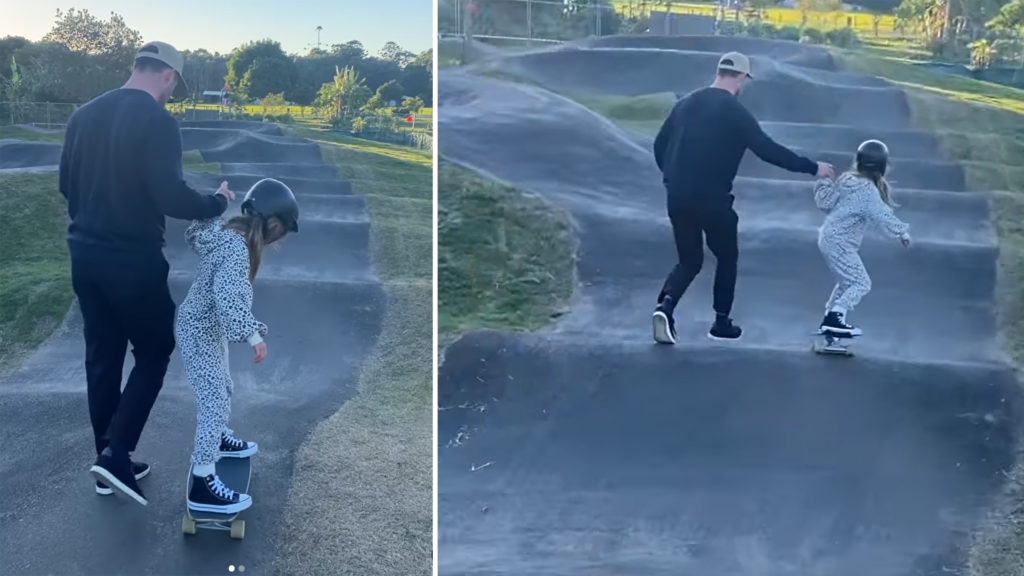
(842, 37)
(812, 36)
(791, 33)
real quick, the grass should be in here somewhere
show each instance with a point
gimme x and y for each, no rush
(21, 133)
(364, 501)
(505, 258)
(981, 125)
(35, 279)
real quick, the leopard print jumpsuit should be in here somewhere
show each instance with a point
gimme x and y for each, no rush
(850, 204)
(217, 310)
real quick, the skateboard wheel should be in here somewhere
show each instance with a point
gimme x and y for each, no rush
(238, 529)
(188, 525)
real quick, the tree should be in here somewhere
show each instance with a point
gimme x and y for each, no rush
(243, 58)
(80, 31)
(418, 77)
(1009, 18)
(267, 76)
(347, 93)
(392, 52)
(411, 105)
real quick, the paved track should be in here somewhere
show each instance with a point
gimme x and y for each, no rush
(323, 304)
(609, 455)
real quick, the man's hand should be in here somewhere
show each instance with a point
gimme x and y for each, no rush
(905, 239)
(260, 351)
(223, 191)
(826, 170)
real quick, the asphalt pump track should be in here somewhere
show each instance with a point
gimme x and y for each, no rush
(324, 305)
(586, 448)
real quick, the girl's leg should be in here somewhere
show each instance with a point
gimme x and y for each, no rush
(857, 280)
(212, 408)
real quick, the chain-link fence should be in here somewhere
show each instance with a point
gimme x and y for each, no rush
(41, 114)
(529, 20)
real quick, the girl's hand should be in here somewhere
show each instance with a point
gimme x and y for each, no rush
(261, 352)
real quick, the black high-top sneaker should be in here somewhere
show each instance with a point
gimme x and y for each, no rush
(724, 329)
(115, 471)
(835, 323)
(209, 494)
(664, 323)
(139, 469)
(231, 447)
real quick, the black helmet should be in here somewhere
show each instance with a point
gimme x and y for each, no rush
(270, 197)
(872, 157)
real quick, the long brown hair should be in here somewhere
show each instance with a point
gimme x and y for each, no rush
(258, 234)
(884, 190)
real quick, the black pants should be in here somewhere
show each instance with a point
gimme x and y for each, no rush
(692, 221)
(124, 298)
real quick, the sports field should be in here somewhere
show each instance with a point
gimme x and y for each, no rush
(862, 22)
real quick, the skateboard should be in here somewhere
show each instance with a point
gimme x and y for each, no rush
(833, 345)
(236, 474)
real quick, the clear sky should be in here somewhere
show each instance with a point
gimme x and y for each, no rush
(221, 25)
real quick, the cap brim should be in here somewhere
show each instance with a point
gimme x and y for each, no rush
(181, 91)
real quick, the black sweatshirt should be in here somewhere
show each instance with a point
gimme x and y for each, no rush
(701, 144)
(120, 171)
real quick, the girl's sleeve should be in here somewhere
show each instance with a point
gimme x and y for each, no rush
(882, 215)
(232, 293)
(826, 194)
(196, 227)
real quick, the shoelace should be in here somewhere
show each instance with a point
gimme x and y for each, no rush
(221, 490)
(234, 441)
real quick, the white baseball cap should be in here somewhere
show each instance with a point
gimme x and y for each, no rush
(736, 62)
(164, 52)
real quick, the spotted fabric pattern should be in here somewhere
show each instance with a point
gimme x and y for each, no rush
(850, 204)
(216, 311)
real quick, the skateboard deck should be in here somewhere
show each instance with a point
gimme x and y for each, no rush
(832, 344)
(235, 473)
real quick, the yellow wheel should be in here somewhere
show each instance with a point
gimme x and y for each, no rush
(238, 529)
(188, 525)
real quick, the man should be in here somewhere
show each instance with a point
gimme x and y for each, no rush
(698, 151)
(120, 172)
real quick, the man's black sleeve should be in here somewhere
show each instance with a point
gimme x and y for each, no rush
(664, 135)
(769, 150)
(64, 180)
(164, 179)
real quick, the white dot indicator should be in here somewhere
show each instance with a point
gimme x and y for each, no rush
(241, 568)
(231, 568)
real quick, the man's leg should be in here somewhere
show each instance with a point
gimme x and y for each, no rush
(147, 313)
(105, 345)
(723, 241)
(689, 242)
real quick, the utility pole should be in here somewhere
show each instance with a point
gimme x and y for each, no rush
(318, 29)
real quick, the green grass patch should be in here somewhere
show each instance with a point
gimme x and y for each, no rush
(981, 125)
(35, 277)
(192, 161)
(505, 258)
(644, 114)
(363, 504)
(22, 133)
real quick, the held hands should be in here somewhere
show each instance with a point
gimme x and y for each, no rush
(826, 170)
(225, 192)
(260, 351)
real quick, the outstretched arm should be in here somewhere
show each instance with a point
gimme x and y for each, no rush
(769, 150)
(166, 184)
(882, 215)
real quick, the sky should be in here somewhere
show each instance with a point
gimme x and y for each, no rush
(222, 25)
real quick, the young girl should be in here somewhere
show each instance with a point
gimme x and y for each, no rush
(218, 310)
(850, 202)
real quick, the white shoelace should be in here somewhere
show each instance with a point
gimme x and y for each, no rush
(221, 490)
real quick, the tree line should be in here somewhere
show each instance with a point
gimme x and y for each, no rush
(83, 56)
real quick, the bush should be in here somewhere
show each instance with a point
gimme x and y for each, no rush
(358, 124)
(762, 30)
(842, 37)
(731, 28)
(791, 33)
(812, 36)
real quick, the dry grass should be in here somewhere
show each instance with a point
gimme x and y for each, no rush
(362, 501)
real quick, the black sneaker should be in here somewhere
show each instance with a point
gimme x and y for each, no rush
(116, 472)
(139, 469)
(664, 323)
(231, 447)
(209, 494)
(724, 329)
(835, 323)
